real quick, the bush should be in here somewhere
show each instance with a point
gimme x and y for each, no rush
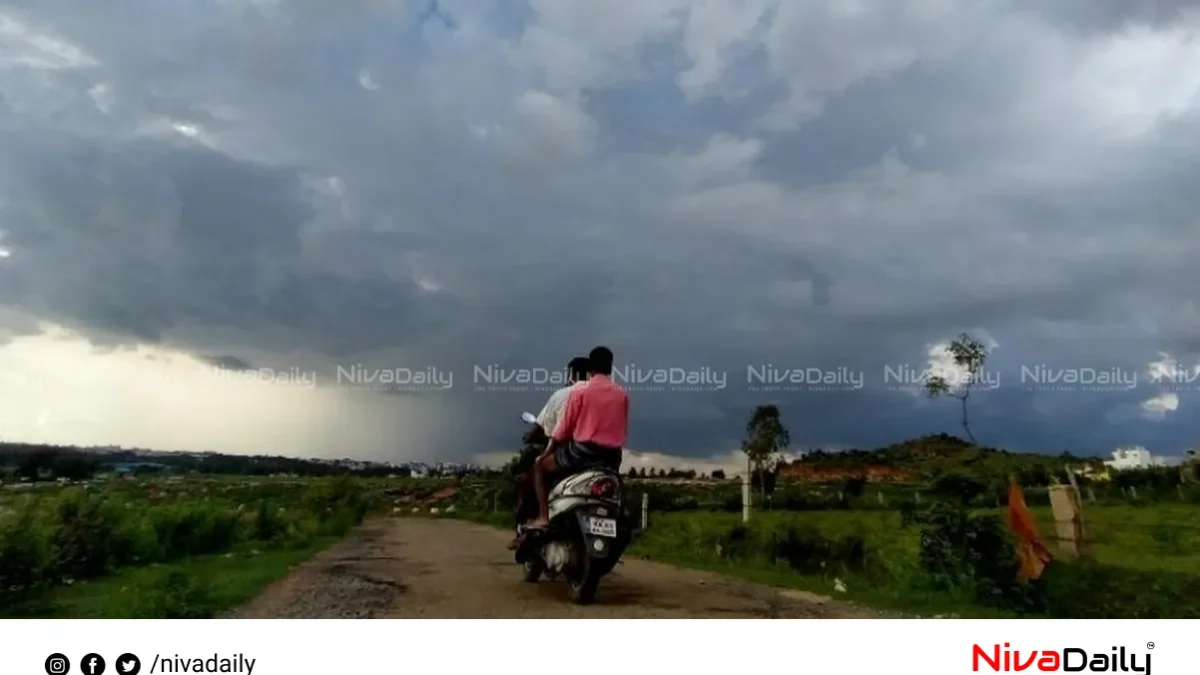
(268, 524)
(84, 536)
(26, 557)
(1087, 589)
(804, 549)
(855, 486)
(194, 529)
(959, 488)
(971, 554)
(78, 534)
(175, 596)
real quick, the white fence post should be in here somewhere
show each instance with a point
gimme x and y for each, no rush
(645, 509)
(746, 497)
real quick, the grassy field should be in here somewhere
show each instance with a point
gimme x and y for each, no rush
(199, 546)
(1144, 559)
(197, 588)
(1161, 542)
(189, 548)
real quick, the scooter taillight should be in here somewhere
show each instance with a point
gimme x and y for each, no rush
(604, 487)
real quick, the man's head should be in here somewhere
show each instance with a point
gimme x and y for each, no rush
(601, 360)
(578, 369)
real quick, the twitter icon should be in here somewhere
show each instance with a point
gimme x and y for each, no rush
(128, 664)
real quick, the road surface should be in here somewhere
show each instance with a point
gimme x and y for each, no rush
(426, 568)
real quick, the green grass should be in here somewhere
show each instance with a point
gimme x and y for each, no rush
(164, 560)
(1152, 538)
(1157, 544)
(198, 588)
(165, 549)
(1159, 541)
(687, 540)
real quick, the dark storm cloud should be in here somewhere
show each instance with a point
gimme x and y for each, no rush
(319, 185)
(1108, 15)
(227, 362)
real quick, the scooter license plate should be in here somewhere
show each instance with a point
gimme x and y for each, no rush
(602, 527)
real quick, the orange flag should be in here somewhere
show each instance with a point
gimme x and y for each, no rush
(1031, 552)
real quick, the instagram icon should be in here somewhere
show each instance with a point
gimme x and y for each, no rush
(57, 664)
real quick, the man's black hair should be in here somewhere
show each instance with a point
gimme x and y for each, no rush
(601, 360)
(579, 367)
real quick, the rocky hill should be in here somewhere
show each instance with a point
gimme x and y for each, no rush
(927, 457)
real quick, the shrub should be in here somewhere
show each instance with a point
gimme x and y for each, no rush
(268, 524)
(194, 529)
(1086, 589)
(855, 486)
(959, 488)
(26, 557)
(84, 535)
(79, 534)
(967, 553)
(806, 550)
(175, 595)
(803, 548)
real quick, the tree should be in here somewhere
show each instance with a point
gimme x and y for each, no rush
(632, 472)
(30, 466)
(718, 475)
(766, 439)
(959, 487)
(968, 354)
(74, 467)
(855, 486)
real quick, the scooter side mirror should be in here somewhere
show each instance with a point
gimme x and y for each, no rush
(528, 417)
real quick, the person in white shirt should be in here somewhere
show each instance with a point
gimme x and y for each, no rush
(577, 374)
(538, 435)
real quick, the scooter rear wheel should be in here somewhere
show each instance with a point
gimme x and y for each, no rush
(583, 588)
(582, 584)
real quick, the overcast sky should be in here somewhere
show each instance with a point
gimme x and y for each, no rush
(191, 189)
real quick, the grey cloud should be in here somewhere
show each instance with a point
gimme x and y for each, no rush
(228, 362)
(1109, 15)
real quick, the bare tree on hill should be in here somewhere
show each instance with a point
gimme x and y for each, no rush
(970, 355)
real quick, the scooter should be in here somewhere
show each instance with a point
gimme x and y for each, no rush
(588, 532)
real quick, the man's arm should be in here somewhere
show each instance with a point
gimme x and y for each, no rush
(566, 422)
(547, 419)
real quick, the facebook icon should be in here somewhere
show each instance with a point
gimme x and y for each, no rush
(92, 664)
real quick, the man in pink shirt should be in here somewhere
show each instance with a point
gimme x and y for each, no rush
(590, 432)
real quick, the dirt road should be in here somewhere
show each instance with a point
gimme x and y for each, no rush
(424, 568)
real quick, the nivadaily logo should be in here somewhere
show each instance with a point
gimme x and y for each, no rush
(1068, 660)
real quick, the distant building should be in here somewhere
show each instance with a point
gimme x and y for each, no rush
(1134, 457)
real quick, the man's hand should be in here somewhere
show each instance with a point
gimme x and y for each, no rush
(534, 432)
